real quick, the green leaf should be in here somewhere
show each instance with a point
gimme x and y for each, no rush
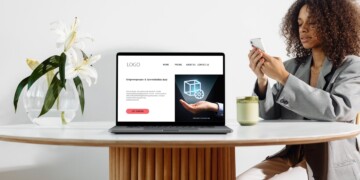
(80, 89)
(46, 66)
(51, 95)
(18, 91)
(62, 68)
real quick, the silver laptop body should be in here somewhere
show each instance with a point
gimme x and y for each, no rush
(151, 89)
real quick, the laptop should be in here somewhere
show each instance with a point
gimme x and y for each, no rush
(170, 93)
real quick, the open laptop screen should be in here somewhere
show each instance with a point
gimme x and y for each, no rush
(151, 87)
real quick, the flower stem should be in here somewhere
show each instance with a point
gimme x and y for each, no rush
(49, 76)
(63, 120)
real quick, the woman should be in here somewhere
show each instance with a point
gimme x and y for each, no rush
(322, 82)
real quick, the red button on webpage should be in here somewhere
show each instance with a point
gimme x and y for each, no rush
(137, 111)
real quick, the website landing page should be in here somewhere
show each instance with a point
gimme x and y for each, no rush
(150, 87)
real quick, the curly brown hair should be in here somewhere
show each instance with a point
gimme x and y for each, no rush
(337, 24)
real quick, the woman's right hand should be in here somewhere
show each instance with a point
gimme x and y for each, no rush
(256, 61)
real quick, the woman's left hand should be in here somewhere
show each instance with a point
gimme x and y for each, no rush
(274, 68)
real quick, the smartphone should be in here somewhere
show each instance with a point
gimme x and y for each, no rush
(256, 42)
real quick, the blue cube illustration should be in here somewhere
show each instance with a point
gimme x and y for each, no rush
(191, 87)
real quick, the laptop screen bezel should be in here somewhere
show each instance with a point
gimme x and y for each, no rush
(188, 123)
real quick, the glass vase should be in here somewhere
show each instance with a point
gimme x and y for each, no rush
(64, 109)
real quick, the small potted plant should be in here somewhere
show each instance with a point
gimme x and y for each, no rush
(55, 86)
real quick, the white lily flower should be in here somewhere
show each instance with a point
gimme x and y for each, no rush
(69, 36)
(81, 67)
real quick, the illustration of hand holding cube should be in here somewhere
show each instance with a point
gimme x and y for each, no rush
(193, 88)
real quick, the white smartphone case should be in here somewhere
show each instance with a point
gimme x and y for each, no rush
(257, 42)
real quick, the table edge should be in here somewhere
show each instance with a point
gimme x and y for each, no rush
(174, 144)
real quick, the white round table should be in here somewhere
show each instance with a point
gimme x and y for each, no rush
(176, 156)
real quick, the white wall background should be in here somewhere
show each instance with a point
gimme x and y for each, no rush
(125, 25)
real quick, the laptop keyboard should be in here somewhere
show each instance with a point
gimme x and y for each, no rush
(170, 129)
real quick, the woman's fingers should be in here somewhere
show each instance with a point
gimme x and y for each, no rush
(266, 65)
(262, 69)
(259, 64)
(267, 57)
(256, 53)
(252, 51)
(255, 60)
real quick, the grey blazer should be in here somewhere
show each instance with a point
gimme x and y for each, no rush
(334, 99)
